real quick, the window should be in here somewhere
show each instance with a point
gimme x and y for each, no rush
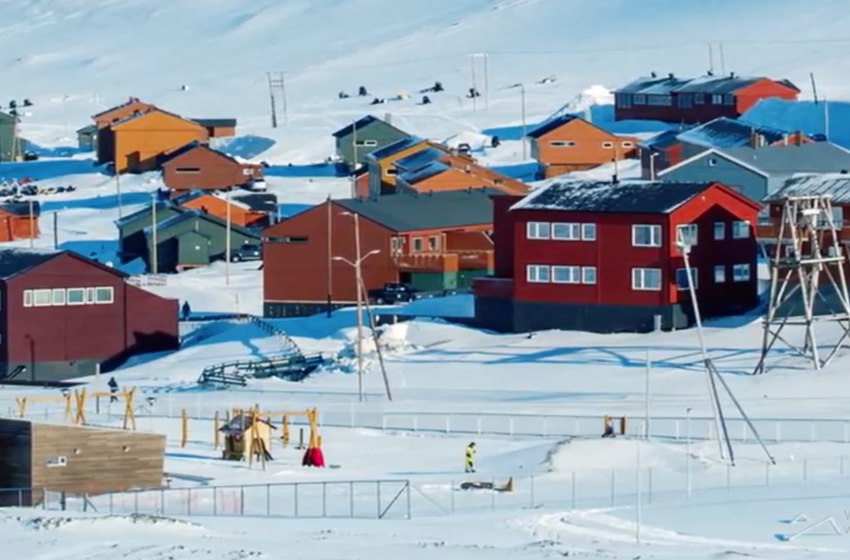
(719, 274)
(58, 296)
(729, 99)
(417, 244)
(607, 145)
(660, 100)
(41, 298)
(27, 298)
(699, 99)
(396, 245)
(367, 143)
(566, 274)
(434, 243)
(639, 99)
(682, 279)
(537, 230)
(76, 296)
(646, 279)
(569, 232)
(719, 231)
(764, 217)
(187, 170)
(712, 162)
(588, 275)
(687, 234)
(538, 274)
(686, 100)
(740, 230)
(624, 100)
(89, 295)
(588, 232)
(646, 236)
(741, 273)
(628, 144)
(392, 171)
(104, 295)
(717, 99)
(562, 144)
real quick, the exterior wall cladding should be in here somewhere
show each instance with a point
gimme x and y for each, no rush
(57, 343)
(611, 304)
(202, 168)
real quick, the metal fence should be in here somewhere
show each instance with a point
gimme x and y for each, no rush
(403, 499)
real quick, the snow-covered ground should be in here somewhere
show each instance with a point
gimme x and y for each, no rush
(533, 404)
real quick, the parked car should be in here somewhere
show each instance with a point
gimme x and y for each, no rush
(248, 252)
(257, 185)
(394, 293)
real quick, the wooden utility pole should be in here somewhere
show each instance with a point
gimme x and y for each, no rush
(228, 245)
(154, 264)
(524, 124)
(277, 84)
(32, 224)
(365, 296)
(56, 230)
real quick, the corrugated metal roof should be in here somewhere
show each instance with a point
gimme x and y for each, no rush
(661, 141)
(22, 208)
(188, 215)
(425, 172)
(551, 125)
(216, 122)
(146, 211)
(363, 122)
(729, 133)
(395, 148)
(419, 159)
(629, 197)
(416, 212)
(17, 261)
(707, 84)
(836, 185)
(814, 157)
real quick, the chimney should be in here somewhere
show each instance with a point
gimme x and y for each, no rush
(798, 138)
(615, 179)
(671, 75)
(754, 138)
(653, 74)
(710, 73)
(732, 75)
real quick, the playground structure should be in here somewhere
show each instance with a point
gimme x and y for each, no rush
(247, 436)
(75, 405)
(610, 422)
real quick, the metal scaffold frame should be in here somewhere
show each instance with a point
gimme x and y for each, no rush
(808, 249)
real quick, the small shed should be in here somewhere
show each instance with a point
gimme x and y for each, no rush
(35, 457)
(239, 433)
(87, 138)
(218, 128)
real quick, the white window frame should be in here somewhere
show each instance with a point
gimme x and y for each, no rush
(588, 232)
(534, 274)
(736, 269)
(607, 145)
(639, 276)
(418, 245)
(573, 273)
(60, 300)
(573, 231)
(694, 276)
(89, 295)
(68, 292)
(720, 274)
(717, 99)
(562, 144)
(532, 230)
(111, 295)
(628, 144)
(719, 231)
(42, 291)
(736, 229)
(586, 271)
(687, 227)
(27, 298)
(654, 236)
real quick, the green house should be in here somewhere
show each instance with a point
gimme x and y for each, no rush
(362, 137)
(9, 147)
(193, 238)
(87, 138)
(131, 229)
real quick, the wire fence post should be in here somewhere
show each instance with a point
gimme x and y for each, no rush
(649, 490)
(378, 490)
(532, 490)
(407, 492)
(613, 488)
(452, 505)
(324, 499)
(351, 498)
(573, 491)
(493, 495)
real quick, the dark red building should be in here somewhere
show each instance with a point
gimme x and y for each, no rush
(62, 314)
(696, 100)
(197, 166)
(603, 257)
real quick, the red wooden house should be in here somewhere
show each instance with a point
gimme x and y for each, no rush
(197, 166)
(434, 242)
(696, 100)
(62, 314)
(603, 257)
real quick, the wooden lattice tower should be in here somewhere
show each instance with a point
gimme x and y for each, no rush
(808, 257)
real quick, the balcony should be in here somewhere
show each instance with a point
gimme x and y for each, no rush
(445, 262)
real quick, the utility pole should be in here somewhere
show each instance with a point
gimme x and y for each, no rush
(118, 192)
(722, 60)
(32, 224)
(711, 58)
(524, 123)
(277, 84)
(227, 243)
(354, 160)
(154, 264)
(330, 258)
(56, 230)
(485, 66)
(646, 430)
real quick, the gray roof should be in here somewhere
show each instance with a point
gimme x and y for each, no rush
(415, 212)
(188, 215)
(629, 197)
(16, 261)
(362, 123)
(665, 85)
(835, 185)
(259, 202)
(241, 423)
(723, 132)
(147, 211)
(88, 129)
(216, 122)
(814, 157)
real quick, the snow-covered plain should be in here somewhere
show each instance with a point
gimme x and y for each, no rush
(74, 58)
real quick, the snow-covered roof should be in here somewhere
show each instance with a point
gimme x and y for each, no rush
(419, 160)
(708, 84)
(836, 185)
(631, 196)
(426, 172)
(730, 133)
(395, 148)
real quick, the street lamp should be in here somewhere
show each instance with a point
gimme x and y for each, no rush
(357, 264)
(521, 87)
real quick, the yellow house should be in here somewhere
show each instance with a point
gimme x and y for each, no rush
(381, 163)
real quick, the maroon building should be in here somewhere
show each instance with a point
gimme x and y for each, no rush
(62, 314)
(197, 166)
(696, 100)
(603, 257)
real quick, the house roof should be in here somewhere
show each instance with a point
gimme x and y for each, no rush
(656, 85)
(550, 125)
(836, 185)
(147, 113)
(729, 133)
(18, 261)
(216, 122)
(194, 145)
(425, 172)
(395, 148)
(418, 211)
(258, 202)
(419, 159)
(362, 122)
(192, 214)
(146, 211)
(629, 197)
(195, 194)
(88, 129)
(241, 423)
(121, 106)
(21, 208)
(661, 141)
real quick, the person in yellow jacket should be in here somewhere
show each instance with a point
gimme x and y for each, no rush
(469, 465)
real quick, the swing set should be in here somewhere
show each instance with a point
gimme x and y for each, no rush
(75, 405)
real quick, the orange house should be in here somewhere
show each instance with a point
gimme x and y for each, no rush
(381, 163)
(133, 106)
(439, 176)
(216, 205)
(19, 221)
(135, 143)
(570, 143)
